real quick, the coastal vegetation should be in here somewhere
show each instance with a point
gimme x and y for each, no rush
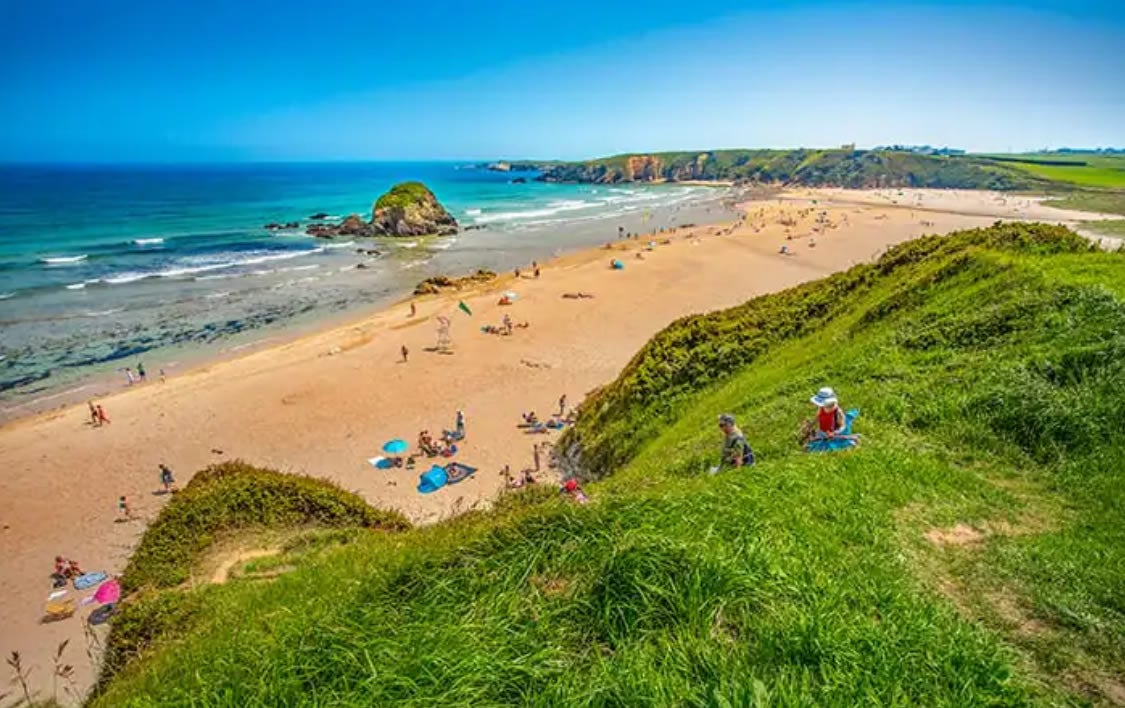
(970, 552)
(1096, 177)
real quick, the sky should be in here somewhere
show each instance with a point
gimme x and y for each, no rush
(209, 80)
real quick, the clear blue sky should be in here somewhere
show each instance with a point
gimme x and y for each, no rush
(369, 79)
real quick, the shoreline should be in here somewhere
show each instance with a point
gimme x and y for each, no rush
(323, 403)
(104, 380)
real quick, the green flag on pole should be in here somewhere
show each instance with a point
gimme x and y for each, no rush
(465, 308)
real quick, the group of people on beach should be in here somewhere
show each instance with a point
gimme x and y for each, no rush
(98, 417)
(830, 423)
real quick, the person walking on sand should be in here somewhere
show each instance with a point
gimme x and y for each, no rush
(129, 376)
(536, 271)
(413, 309)
(167, 479)
(535, 455)
(141, 371)
(460, 425)
(93, 414)
(102, 417)
(163, 379)
(125, 512)
(562, 405)
(405, 354)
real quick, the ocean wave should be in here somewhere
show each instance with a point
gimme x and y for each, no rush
(205, 264)
(5, 296)
(63, 260)
(76, 286)
(338, 245)
(147, 241)
(103, 313)
(552, 208)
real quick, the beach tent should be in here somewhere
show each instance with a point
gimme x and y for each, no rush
(432, 480)
(395, 446)
(618, 265)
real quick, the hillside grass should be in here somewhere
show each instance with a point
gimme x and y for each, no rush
(1102, 171)
(987, 366)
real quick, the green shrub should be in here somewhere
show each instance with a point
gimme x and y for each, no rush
(234, 495)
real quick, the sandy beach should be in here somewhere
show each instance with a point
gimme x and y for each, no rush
(324, 404)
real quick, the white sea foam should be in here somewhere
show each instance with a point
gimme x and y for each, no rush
(5, 296)
(472, 212)
(552, 208)
(62, 260)
(221, 293)
(147, 241)
(338, 245)
(103, 313)
(76, 286)
(409, 244)
(204, 264)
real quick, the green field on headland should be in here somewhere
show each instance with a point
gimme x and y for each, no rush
(970, 552)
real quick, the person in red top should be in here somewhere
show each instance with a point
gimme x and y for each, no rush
(830, 419)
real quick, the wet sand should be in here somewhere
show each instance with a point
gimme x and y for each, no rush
(323, 404)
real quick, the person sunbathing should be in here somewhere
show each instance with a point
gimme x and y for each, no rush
(530, 418)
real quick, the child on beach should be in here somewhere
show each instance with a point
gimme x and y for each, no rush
(102, 417)
(94, 421)
(125, 513)
(167, 479)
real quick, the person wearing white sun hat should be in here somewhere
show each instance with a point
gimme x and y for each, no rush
(830, 418)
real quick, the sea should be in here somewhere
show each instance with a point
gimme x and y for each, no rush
(108, 267)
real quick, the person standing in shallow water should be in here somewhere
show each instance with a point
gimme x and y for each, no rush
(141, 371)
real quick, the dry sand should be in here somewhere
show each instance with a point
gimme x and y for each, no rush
(323, 404)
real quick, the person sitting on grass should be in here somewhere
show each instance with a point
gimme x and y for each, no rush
(736, 450)
(830, 419)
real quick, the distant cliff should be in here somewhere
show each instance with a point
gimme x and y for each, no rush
(814, 168)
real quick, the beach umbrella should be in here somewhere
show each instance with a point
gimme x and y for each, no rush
(381, 463)
(395, 446)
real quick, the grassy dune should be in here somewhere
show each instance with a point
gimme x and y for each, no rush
(971, 552)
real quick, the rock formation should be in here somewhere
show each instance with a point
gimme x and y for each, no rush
(411, 209)
(408, 209)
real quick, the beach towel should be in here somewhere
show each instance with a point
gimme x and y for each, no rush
(88, 580)
(457, 472)
(464, 308)
(102, 614)
(57, 610)
(108, 592)
(432, 480)
(825, 444)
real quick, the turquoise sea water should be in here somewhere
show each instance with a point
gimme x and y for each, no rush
(102, 267)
